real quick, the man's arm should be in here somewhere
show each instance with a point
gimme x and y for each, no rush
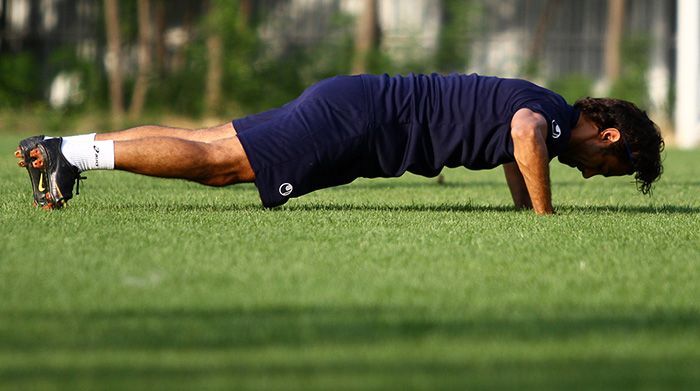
(516, 184)
(529, 132)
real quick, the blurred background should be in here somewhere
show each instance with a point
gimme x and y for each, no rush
(73, 65)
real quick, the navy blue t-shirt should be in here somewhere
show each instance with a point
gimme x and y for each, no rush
(422, 123)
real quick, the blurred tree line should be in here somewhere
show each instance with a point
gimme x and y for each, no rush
(218, 58)
(223, 68)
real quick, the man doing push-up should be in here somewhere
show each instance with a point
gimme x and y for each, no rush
(370, 126)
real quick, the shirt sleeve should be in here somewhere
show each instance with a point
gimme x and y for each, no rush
(558, 114)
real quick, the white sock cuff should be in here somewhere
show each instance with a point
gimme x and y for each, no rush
(88, 155)
(104, 155)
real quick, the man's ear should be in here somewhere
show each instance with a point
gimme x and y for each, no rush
(610, 135)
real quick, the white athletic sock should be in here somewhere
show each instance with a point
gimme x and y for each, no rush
(87, 154)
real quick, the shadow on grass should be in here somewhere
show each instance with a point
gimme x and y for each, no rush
(424, 183)
(656, 209)
(665, 209)
(467, 208)
(364, 371)
(453, 207)
(292, 206)
(294, 326)
(386, 183)
(365, 347)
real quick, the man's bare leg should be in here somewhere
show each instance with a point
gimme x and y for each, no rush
(205, 135)
(218, 163)
(212, 156)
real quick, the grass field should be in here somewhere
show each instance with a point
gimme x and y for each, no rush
(398, 283)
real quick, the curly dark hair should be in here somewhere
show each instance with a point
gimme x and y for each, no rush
(641, 139)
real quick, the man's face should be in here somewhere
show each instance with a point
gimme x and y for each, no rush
(598, 164)
(596, 158)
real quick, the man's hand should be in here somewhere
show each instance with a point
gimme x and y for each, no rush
(529, 132)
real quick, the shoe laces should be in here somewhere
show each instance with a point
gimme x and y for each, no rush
(77, 183)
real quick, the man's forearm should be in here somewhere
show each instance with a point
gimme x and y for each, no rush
(516, 184)
(528, 131)
(536, 175)
(534, 167)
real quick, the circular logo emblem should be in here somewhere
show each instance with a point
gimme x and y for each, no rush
(286, 189)
(556, 130)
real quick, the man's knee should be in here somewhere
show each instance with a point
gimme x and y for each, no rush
(227, 164)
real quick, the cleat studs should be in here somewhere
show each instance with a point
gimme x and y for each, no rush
(38, 164)
(18, 154)
(35, 153)
(22, 163)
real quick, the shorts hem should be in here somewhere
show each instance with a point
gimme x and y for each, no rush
(267, 200)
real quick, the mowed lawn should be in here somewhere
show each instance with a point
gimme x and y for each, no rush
(144, 283)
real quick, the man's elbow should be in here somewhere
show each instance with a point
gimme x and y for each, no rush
(528, 127)
(527, 133)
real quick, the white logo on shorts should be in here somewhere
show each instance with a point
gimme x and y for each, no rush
(556, 130)
(286, 189)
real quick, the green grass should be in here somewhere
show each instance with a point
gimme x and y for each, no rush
(400, 283)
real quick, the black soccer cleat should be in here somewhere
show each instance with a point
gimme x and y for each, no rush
(57, 176)
(22, 152)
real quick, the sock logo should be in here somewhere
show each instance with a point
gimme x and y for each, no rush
(97, 155)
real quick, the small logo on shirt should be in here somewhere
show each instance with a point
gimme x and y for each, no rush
(286, 189)
(556, 130)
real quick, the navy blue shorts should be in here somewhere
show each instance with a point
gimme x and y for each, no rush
(319, 140)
